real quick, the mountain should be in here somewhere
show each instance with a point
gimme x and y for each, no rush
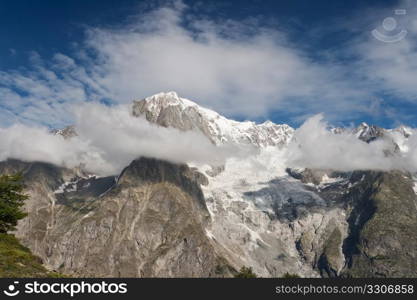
(150, 222)
(160, 219)
(169, 110)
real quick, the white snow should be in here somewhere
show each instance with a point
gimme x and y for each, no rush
(70, 186)
(326, 180)
(400, 136)
(415, 187)
(223, 130)
(210, 234)
(363, 130)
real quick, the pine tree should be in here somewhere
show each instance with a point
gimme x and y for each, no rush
(11, 201)
(245, 272)
(288, 275)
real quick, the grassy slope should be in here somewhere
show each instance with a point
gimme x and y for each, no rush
(16, 261)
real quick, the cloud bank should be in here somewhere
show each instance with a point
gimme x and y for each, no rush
(315, 146)
(109, 138)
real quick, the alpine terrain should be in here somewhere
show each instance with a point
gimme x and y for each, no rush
(161, 219)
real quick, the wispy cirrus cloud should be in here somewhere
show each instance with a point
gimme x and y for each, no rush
(45, 92)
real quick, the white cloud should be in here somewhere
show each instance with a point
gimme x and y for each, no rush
(235, 68)
(389, 68)
(315, 146)
(240, 69)
(109, 139)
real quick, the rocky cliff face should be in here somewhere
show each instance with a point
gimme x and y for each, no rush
(150, 223)
(382, 226)
(379, 214)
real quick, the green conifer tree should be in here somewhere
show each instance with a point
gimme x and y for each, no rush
(11, 200)
(246, 272)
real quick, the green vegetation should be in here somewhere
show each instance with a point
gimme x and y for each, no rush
(246, 272)
(11, 201)
(15, 259)
(288, 275)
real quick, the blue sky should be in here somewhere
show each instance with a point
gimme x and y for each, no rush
(258, 60)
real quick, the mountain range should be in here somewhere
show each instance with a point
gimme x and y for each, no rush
(163, 219)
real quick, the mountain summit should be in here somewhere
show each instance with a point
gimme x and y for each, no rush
(170, 110)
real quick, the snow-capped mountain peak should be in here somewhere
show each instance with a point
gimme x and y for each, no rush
(66, 132)
(170, 110)
(165, 99)
(404, 130)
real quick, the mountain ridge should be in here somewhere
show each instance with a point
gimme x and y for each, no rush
(167, 109)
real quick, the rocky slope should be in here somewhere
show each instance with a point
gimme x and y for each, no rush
(166, 220)
(380, 213)
(382, 226)
(150, 223)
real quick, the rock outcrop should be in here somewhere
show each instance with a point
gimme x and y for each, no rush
(382, 226)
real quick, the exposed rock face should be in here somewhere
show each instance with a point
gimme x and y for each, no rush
(368, 133)
(148, 224)
(380, 210)
(383, 226)
(169, 110)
